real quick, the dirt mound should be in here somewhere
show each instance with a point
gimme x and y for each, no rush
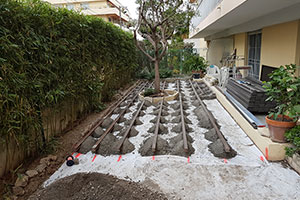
(123, 104)
(162, 147)
(217, 148)
(141, 114)
(97, 187)
(162, 120)
(208, 96)
(117, 110)
(178, 138)
(203, 118)
(122, 119)
(107, 122)
(148, 103)
(162, 129)
(211, 135)
(138, 122)
(107, 147)
(176, 113)
(117, 127)
(133, 132)
(179, 151)
(163, 113)
(175, 106)
(195, 103)
(127, 146)
(98, 132)
(178, 128)
(178, 119)
(87, 145)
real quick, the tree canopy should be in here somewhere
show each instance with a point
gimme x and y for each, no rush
(159, 21)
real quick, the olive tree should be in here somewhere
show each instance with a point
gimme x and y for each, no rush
(158, 21)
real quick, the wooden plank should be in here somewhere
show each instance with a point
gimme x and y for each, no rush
(96, 146)
(109, 111)
(184, 137)
(227, 148)
(130, 126)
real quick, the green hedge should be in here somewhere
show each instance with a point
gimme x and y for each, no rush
(49, 56)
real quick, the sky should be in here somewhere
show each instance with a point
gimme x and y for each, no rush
(132, 6)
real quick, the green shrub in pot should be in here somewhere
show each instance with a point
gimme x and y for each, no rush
(284, 89)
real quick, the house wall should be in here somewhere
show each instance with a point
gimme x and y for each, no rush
(240, 44)
(101, 4)
(218, 49)
(279, 44)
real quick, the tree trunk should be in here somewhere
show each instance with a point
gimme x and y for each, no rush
(156, 81)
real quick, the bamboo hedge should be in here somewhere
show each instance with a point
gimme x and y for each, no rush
(49, 56)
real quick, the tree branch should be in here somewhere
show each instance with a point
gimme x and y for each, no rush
(141, 48)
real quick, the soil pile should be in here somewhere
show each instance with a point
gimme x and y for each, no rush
(95, 186)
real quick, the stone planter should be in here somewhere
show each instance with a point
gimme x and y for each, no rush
(172, 95)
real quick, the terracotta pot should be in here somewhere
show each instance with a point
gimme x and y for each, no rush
(277, 129)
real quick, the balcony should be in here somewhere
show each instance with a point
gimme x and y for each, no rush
(105, 11)
(221, 18)
(205, 7)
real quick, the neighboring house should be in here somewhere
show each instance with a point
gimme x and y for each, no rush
(266, 33)
(109, 10)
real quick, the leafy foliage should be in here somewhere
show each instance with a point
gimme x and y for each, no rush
(49, 56)
(293, 136)
(149, 92)
(158, 21)
(284, 89)
(194, 63)
(165, 73)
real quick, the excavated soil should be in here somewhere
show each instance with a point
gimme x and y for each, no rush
(95, 186)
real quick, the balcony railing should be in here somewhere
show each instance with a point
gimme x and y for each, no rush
(105, 11)
(205, 7)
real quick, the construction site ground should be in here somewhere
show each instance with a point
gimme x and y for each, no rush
(200, 175)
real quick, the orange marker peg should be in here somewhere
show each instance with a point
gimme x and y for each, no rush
(225, 161)
(119, 158)
(77, 155)
(153, 157)
(267, 153)
(94, 158)
(262, 158)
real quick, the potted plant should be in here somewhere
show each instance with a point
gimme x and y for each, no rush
(284, 89)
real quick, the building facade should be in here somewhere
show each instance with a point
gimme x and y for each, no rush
(264, 33)
(109, 10)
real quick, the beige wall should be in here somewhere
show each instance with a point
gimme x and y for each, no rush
(102, 4)
(279, 44)
(218, 49)
(240, 44)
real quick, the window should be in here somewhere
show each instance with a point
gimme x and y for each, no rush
(84, 6)
(70, 6)
(254, 50)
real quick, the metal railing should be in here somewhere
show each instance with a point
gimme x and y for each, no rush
(205, 7)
